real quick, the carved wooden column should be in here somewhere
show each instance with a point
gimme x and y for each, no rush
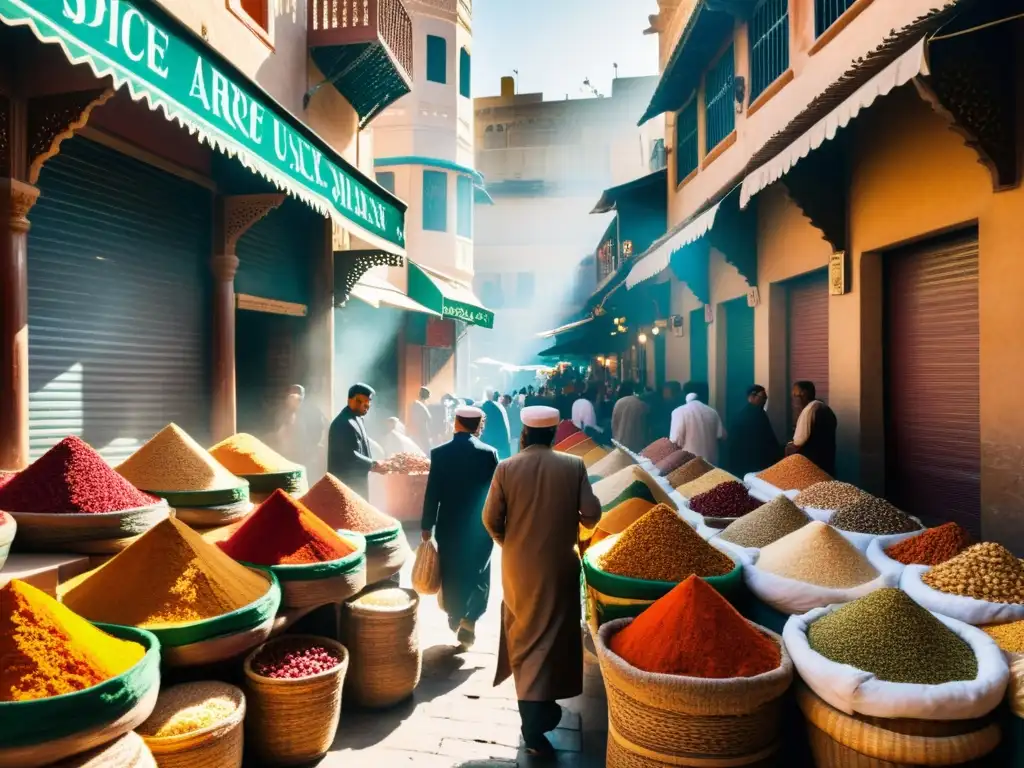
(235, 215)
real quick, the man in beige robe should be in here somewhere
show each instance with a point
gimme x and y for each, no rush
(537, 501)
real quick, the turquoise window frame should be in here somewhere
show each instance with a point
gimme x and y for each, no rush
(437, 59)
(464, 206)
(769, 44)
(387, 180)
(719, 95)
(827, 13)
(435, 201)
(687, 151)
(465, 74)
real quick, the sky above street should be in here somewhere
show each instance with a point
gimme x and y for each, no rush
(556, 44)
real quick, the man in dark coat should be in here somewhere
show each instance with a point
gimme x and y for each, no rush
(815, 435)
(496, 431)
(752, 442)
(460, 476)
(348, 447)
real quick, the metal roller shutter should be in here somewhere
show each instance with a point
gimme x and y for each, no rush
(807, 334)
(117, 275)
(698, 346)
(739, 366)
(933, 432)
(274, 255)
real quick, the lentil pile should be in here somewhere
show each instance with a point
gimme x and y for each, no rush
(659, 449)
(705, 483)
(243, 454)
(832, 494)
(404, 464)
(873, 515)
(624, 515)
(71, 478)
(661, 546)
(1009, 637)
(614, 462)
(766, 524)
(689, 472)
(934, 546)
(191, 707)
(726, 500)
(48, 651)
(172, 461)
(281, 531)
(794, 472)
(673, 461)
(694, 631)
(565, 429)
(294, 660)
(892, 637)
(170, 575)
(986, 571)
(817, 554)
(341, 507)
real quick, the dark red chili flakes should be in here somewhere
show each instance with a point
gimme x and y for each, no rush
(729, 500)
(6, 477)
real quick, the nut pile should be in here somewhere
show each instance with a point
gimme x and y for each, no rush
(726, 500)
(191, 707)
(986, 571)
(673, 461)
(817, 554)
(892, 637)
(873, 515)
(293, 662)
(404, 464)
(661, 546)
(766, 524)
(934, 546)
(689, 472)
(831, 494)
(1009, 637)
(705, 483)
(659, 449)
(794, 472)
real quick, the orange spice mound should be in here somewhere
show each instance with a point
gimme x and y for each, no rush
(282, 531)
(693, 631)
(243, 454)
(341, 507)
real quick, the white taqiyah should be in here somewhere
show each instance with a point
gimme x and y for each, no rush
(468, 412)
(539, 416)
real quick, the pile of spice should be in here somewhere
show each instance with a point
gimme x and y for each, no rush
(673, 461)
(635, 490)
(281, 531)
(659, 449)
(934, 546)
(342, 508)
(594, 455)
(986, 571)
(871, 514)
(388, 597)
(48, 651)
(614, 462)
(1009, 637)
(624, 515)
(404, 464)
(695, 632)
(191, 707)
(294, 660)
(582, 448)
(571, 441)
(689, 472)
(794, 472)
(766, 524)
(565, 430)
(725, 500)
(832, 494)
(661, 546)
(172, 461)
(705, 483)
(6, 477)
(170, 575)
(817, 554)
(243, 454)
(610, 487)
(71, 478)
(892, 637)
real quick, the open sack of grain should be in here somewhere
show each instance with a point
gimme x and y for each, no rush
(870, 518)
(788, 476)
(929, 547)
(821, 500)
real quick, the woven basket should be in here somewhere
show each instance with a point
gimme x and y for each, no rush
(843, 741)
(386, 656)
(216, 746)
(675, 720)
(385, 559)
(92, 534)
(293, 722)
(214, 517)
(129, 751)
(316, 584)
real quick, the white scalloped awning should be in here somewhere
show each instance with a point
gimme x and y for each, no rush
(911, 64)
(379, 291)
(657, 258)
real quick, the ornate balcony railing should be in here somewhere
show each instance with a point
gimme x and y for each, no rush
(364, 49)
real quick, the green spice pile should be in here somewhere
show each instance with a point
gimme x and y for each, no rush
(873, 515)
(817, 554)
(986, 571)
(705, 483)
(794, 472)
(766, 524)
(689, 472)
(892, 637)
(661, 546)
(635, 490)
(831, 494)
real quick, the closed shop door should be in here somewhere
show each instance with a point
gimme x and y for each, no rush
(275, 254)
(698, 346)
(739, 356)
(807, 335)
(118, 274)
(933, 434)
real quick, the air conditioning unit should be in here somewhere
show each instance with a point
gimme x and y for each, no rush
(676, 323)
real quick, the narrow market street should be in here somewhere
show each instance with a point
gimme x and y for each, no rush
(456, 717)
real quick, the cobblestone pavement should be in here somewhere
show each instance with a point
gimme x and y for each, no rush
(456, 717)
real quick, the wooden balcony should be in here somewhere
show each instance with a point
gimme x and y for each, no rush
(364, 49)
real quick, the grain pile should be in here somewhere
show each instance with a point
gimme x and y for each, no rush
(892, 637)
(934, 546)
(726, 500)
(673, 461)
(614, 462)
(659, 450)
(1009, 637)
(342, 508)
(986, 571)
(689, 472)
(661, 546)
(875, 516)
(611, 486)
(638, 489)
(831, 494)
(794, 472)
(243, 454)
(624, 515)
(191, 707)
(817, 554)
(705, 483)
(172, 461)
(389, 597)
(766, 524)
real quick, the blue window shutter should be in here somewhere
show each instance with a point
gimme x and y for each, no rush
(437, 59)
(464, 73)
(435, 201)
(387, 180)
(719, 96)
(464, 200)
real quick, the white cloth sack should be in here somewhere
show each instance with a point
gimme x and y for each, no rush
(746, 555)
(969, 610)
(821, 515)
(884, 564)
(863, 540)
(855, 691)
(794, 597)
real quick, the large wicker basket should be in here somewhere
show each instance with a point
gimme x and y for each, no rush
(217, 746)
(656, 720)
(293, 722)
(386, 657)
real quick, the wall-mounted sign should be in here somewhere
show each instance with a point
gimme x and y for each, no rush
(837, 273)
(753, 297)
(269, 306)
(709, 314)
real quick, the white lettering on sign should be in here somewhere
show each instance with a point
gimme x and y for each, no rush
(128, 31)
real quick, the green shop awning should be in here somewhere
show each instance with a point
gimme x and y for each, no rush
(164, 65)
(447, 296)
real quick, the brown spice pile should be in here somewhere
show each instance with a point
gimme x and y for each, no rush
(659, 449)
(673, 461)
(342, 508)
(934, 546)
(986, 571)
(794, 472)
(706, 482)
(689, 472)
(172, 461)
(831, 494)
(873, 515)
